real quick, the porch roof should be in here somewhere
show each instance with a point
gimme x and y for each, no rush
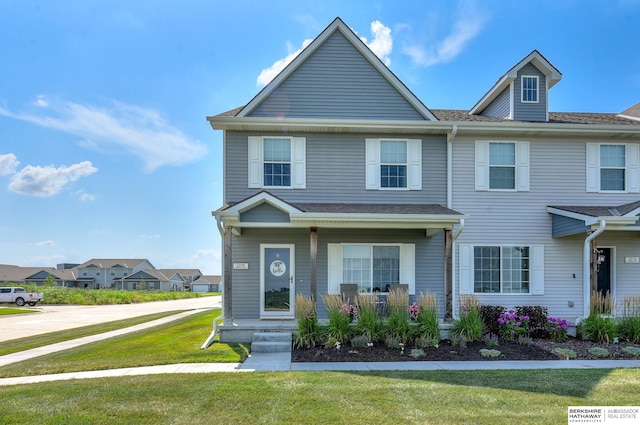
(571, 220)
(340, 215)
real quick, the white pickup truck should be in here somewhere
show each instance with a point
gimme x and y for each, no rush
(19, 296)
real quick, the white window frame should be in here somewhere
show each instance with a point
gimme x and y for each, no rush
(256, 162)
(414, 164)
(632, 167)
(466, 273)
(407, 264)
(522, 90)
(482, 165)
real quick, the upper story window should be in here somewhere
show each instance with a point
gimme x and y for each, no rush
(529, 88)
(394, 164)
(613, 167)
(502, 165)
(277, 162)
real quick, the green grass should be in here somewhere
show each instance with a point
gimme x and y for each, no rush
(407, 397)
(175, 342)
(22, 344)
(5, 311)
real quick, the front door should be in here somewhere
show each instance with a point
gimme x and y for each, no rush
(604, 271)
(277, 282)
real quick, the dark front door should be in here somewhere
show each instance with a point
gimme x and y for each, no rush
(604, 272)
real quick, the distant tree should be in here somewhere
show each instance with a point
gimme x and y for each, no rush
(142, 286)
(50, 282)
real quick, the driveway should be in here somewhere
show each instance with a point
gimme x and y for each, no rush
(52, 318)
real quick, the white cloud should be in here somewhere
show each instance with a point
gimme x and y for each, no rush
(45, 243)
(84, 196)
(381, 45)
(8, 164)
(48, 181)
(140, 131)
(268, 74)
(207, 260)
(468, 24)
(382, 42)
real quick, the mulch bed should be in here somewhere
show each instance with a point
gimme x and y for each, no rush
(541, 349)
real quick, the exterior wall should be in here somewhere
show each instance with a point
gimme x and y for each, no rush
(557, 177)
(265, 212)
(336, 171)
(246, 249)
(530, 111)
(563, 226)
(337, 81)
(501, 105)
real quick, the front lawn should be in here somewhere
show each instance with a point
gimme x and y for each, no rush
(355, 398)
(5, 311)
(174, 342)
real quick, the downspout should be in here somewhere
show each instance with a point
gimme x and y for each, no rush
(450, 138)
(586, 265)
(209, 340)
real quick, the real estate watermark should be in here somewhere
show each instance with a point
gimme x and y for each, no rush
(614, 415)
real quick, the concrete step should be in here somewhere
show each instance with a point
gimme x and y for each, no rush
(271, 342)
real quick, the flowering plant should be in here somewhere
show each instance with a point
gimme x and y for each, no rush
(414, 311)
(557, 328)
(512, 325)
(349, 310)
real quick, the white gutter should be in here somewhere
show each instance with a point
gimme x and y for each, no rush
(586, 272)
(221, 317)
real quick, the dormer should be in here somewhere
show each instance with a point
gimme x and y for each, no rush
(522, 93)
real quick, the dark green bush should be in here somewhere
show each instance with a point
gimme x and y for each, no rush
(490, 315)
(597, 328)
(537, 319)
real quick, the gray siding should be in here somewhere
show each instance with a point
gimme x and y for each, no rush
(336, 171)
(565, 226)
(337, 81)
(265, 213)
(246, 249)
(557, 177)
(501, 105)
(530, 111)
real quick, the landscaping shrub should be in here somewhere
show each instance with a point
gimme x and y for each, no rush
(557, 329)
(469, 326)
(632, 351)
(369, 323)
(427, 317)
(511, 326)
(537, 319)
(490, 315)
(629, 324)
(485, 352)
(308, 328)
(361, 341)
(339, 321)
(597, 328)
(398, 321)
(491, 340)
(599, 352)
(565, 353)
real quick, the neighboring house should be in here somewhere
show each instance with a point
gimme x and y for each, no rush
(104, 272)
(35, 275)
(337, 173)
(206, 284)
(151, 280)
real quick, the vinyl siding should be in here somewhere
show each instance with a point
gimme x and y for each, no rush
(246, 249)
(264, 213)
(336, 171)
(564, 226)
(530, 111)
(501, 105)
(337, 81)
(557, 177)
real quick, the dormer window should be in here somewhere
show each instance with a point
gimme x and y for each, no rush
(529, 89)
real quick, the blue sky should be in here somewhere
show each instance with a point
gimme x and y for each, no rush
(104, 147)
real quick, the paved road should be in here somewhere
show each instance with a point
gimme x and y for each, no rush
(61, 317)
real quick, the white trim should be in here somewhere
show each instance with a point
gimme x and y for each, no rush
(413, 163)
(297, 162)
(292, 288)
(483, 165)
(631, 168)
(537, 78)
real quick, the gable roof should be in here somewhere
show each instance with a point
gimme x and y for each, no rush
(337, 25)
(537, 60)
(108, 263)
(632, 113)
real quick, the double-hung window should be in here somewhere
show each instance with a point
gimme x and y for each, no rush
(502, 269)
(613, 167)
(529, 88)
(502, 165)
(394, 164)
(277, 162)
(373, 267)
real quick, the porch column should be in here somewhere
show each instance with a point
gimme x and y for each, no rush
(448, 277)
(313, 240)
(228, 267)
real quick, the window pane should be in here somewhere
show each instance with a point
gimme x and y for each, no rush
(502, 154)
(393, 176)
(277, 174)
(611, 179)
(356, 266)
(277, 150)
(502, 178)
(529, 89)
(486, 269)
(612, 156)
(393, 152)
(386, 267)
(515, 269)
